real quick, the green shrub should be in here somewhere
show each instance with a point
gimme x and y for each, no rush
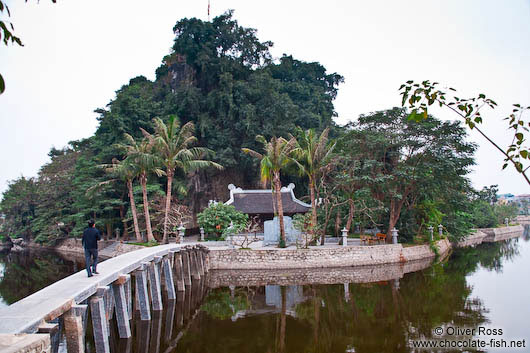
(217, 218)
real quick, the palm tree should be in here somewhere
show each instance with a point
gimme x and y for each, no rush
(126, 171)
(143, 161)
(173, 146)
(277, 157)
(313, 157)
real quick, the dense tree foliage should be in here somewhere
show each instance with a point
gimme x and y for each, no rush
(383, 170)
(220, 78)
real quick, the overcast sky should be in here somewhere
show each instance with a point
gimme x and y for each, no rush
(77, 53)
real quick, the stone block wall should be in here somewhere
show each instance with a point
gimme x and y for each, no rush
(301, 276)
(472, 239)
(502, 233)
(319, 257)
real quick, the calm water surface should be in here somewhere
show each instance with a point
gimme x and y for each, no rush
(485, 287)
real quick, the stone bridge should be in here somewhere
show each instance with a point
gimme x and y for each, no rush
(107, 294)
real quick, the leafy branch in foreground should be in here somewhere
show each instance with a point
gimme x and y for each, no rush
(7, 35)
(420, 96)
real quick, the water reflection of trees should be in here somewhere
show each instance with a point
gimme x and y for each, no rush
(490, 256)
(381, 316)
(27, 272)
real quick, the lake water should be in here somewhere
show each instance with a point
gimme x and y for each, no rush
(483, 290)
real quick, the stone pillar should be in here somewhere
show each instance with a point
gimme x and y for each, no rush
(154, 280)
(344, 236)
(202, 233)
(122, 314)
(440, 230)
(99, 321)
(168, 277)
(507, 222)
(141, 292)
(179, 274)
(108, 299)
(204, 254)
(74, 328)
(431, 233)
(128, 295)
(195, 274)
(394, 236)
(186, 267)
(200, 264)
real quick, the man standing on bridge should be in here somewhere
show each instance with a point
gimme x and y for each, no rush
(90, 242)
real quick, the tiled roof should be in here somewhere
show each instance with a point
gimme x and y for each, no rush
(260, 201)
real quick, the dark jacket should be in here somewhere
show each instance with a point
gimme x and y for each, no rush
(90, 238)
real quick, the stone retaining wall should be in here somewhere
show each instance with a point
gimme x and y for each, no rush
(300, 276)
(503, 233)
(319, 257)
(472, 239)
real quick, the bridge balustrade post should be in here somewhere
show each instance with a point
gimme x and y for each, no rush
(99, 321)
(204, 254)
(108, 299)
(128, 295)
(194, 265)
(154, 279)
(179, 275)
(122, 315)
(186, 267)
(168, 277)
(200, 263)
(142, 296)
(74, 328)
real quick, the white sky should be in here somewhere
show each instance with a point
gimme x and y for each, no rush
(78, 53)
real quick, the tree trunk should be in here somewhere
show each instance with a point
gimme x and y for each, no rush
(395, 211)
(143, 181)
(165, 239)
(278, 186)
(350, 215)
(125, 234)
(109, 231)
(337, 223)
(133, 211)
(314, 214)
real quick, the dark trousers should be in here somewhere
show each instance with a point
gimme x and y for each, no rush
(91, 260)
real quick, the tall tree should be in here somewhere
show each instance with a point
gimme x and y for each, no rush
(140, 155)
(277, 156)
(173, 144)
(412, 157)
(126, 171)
(312, 155)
